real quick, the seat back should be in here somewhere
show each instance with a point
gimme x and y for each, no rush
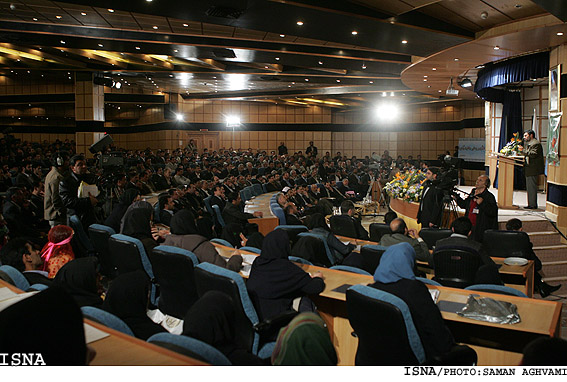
(500, 289)
(222, 242)
(211, 277)
(264, 188)
(377, 230)
(156, 212)
(218, 216)
(498, 243)
(384, 327)
(129, 255)
(425, 280)
(431, 235)
(347, 268)
(371, 255)
(14, 277)
(317, 257)
(99, 235)
(251, 249)
(208, 207)
(455, 267)
(80, 234)
(299, 260)
(258, 189)
(174, 272)
(106, 319)
(343, 225)
(190, 347)
(278, 212)
(293, 231)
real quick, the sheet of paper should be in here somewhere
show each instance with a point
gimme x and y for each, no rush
(248, 259)
(434, 294)
(93, 334)
(85, 189)
(6, 293)
(346, 242)
(17, 298)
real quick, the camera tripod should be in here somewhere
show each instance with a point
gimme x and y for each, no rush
(450, 211)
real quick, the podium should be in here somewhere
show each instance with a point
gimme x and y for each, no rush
(505, 165)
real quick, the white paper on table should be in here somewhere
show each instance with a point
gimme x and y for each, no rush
(434, 294)
(17, 298)
(346, 242)
(357, 249)
(6, 293)
(86, 189)
(248, 259)
(93, 334)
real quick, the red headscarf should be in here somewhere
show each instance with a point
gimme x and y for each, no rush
(59, 243)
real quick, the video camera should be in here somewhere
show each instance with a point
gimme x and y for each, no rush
(449, 176)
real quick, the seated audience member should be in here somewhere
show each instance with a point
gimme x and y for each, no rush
(389, 216)
(545, 351)
(218, 198)
(23, 255)
(126, 199)
(460, 239)
(255, 240)
(348, 192)
(233, 212)
(275, 281)
(49, 323)
(541, 286)
(81, 280)
(58, 250)
(137, 224)
(395, 275)
(19, 218)
(128, 298)
(305, 341)
(318, 225)
(348, 213)
(233, 233)
(401, 233)
(290, 212)
(211, 320)
(166, 207)
(281, 198)
(184, 235)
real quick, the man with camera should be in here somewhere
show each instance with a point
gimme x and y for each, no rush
(431, 204)
(533, 167)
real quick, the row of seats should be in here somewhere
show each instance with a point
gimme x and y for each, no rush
(277, 210)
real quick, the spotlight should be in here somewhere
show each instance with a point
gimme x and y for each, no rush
(118, 84)
(387, 111)
(465, 83)
(179, 117)
(106, 81)
(232, 120)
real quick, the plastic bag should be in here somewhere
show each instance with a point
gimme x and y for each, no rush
(490, 310)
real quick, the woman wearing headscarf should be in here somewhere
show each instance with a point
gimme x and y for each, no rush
(275, 281)
(211, 320)
(184, 235)
(137, 224)
(80, 278)
(126, 199)
(233, 233)
(58, 250)
(127, 298)
(138, 204)
(318, 225)
(395, 275)
(305, 341)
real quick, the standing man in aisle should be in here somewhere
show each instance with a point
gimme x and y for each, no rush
(533, 167)
(54, 210)
(311, 151)
(431, 205)
(282, 149)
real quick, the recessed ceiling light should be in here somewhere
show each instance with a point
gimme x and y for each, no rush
(277, 58)
(424, 76)
(433, 68)
(370, 82)
(175, 50)
(110, 10)
(496, 47)
(265, 66)
(363, 66)
(439, 91)
(560, 33)
(282, 35)
(58, 17)
(62, 42)
(456, 59)
(186, 25)
(354, 33)
(138, 48)
(307, 79)
(320, 62)
(384, 94)
(171, 75)
(425, 80)
(155, 27)
(338, 80)
(293, 83)
(100, 45)
(428, 86)
(83, 13)
(34, 19)
(300, 23)
(404, 41)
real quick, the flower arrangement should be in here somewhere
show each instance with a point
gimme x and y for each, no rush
(514, 147)
(406, 186)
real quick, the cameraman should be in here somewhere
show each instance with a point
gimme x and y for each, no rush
(480, 207)
(68, 190)
(431, 204)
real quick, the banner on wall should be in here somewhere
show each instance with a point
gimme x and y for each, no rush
(553, 138)
(472, 149)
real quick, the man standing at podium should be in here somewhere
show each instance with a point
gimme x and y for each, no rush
(533, 167)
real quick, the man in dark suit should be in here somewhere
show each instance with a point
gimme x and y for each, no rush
(347, 210)
(431, 206)
(291, 212)
(166, 206)
(311, 150)
(460, 239)
(218, 197)
(287, 181)
(233, 213)
(23, 254)
(541, 286)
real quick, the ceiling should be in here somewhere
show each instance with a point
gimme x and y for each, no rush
(345, 52)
